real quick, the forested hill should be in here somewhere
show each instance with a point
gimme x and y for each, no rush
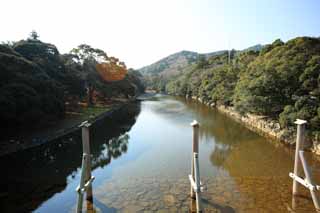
(173, 64)
(158, 73)
(37, 82)
(281, 81)
(257, 47)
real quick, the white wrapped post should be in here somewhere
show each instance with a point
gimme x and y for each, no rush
(195, 149)
(299, 145)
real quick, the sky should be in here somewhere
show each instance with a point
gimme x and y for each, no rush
(140, 32)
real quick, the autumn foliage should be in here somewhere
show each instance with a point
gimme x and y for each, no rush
(112, 70)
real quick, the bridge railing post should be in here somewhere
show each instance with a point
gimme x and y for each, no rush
(86, 150)
(197, 182)
(86, 179)
(194, 177)
(82, 181)
(310, 181)
(299, 146)
(195, 149)
(300, 164)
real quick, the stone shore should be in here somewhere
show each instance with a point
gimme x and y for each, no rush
(265, 126)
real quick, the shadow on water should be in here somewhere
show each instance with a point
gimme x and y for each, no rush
(32, 176)
(207, 204)
(102, 207)
(220, 208)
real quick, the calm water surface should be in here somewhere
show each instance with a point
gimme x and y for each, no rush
(141, 161)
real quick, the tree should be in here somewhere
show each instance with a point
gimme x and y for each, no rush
(223, 83)
(231, 55)
(201, 62)
(104, 76)
(8, 43)
(271, 81)
(33, 35)
(88, 58)
(27, 93)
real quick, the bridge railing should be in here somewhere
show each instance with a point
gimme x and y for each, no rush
(86, 178)
(196, 186)
(300, 164)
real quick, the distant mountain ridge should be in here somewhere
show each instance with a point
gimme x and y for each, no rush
(173, 64)
(256, 47)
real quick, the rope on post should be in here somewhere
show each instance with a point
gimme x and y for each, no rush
(300, 160)
(86, 178)
(196, 185)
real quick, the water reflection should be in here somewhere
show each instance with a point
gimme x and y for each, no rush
(32, 176)
(243, 172)
(258, 169)
(112, 149)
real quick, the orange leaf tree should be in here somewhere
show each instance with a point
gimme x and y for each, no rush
(98, 70)
(112, 70)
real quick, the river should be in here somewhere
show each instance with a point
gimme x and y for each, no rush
(141, 161)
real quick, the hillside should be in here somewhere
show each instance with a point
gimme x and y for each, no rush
(256, 47)
(175, 63)
(281, 81)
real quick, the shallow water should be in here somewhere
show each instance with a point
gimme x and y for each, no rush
(142, 163)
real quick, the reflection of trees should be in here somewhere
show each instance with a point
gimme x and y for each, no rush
(32, 176)
(216, 125)
(237, 149)
(114, 148)
(219, 155)
(226, 132)
(233, 141)
(258, 169)
(256, 158)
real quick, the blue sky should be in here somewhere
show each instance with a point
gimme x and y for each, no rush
(140, 32)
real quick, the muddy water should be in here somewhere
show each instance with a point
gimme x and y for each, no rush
(142, 165)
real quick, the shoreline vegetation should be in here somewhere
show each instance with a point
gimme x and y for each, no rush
(262, 125)
(37, 137)
(45, 94)
(266, 87)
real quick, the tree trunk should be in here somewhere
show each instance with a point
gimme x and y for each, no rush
(90, 96)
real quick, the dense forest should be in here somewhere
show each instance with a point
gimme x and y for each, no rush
(278, 80)
(37, 83)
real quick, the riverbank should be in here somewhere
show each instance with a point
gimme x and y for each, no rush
(247, 172)
(36, 137)
(265, 126)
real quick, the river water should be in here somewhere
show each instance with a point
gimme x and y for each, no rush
(141, 161)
